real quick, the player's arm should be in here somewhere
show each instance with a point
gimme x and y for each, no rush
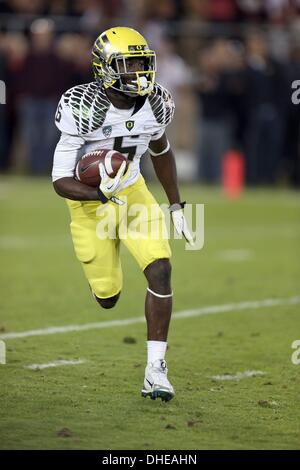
(66, 156)
(165, 168)
(64, 163)
(69, 188)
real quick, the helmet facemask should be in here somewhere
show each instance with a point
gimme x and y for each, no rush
(119, 74)
(133, 81)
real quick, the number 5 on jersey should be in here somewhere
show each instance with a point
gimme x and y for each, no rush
(129, 150)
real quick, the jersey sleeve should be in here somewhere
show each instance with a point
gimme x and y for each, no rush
(71, 142)
(158, 134)
(66, 156)
(64, 117)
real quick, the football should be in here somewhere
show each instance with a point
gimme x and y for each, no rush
(87, 168)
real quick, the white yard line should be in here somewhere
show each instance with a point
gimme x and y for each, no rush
(238, 375)
(210, 310)
(58, 363)
(8, 242)
(235, 255)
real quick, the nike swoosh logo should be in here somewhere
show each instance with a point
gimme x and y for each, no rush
(150, 383)
(84, 169)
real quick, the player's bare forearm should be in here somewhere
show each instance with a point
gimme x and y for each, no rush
(69, 188)
(165, 169)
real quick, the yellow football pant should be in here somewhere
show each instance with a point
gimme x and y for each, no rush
(97, 230)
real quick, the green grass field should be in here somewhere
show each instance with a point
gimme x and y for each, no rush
(99, 402)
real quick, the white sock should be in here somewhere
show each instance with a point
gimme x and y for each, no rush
(156, 350)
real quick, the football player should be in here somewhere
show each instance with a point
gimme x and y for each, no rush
(126, 110)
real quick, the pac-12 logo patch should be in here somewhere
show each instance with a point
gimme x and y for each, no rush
(129, 125)
(107, 131)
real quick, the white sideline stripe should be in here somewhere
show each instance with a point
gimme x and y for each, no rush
(239, 375)
(210, 310)
(58, 363)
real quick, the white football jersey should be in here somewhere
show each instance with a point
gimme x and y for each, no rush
(89, 121)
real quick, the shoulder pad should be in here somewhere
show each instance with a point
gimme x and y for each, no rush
(88, 105)
(162, 105)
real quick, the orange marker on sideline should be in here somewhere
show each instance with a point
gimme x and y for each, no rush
(233, 173)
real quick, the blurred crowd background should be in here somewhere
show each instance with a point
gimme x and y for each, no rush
(228, 63)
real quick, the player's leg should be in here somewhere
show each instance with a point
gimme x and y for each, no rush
(152, 252)
(158, 310)
(158, 304)
(110, 302)
(99, 256)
